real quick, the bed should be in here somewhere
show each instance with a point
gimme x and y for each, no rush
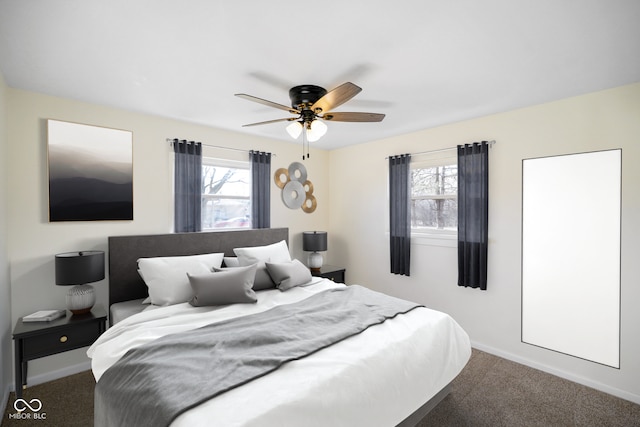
(392, 373)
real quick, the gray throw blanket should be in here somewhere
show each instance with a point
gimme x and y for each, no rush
(153, 384)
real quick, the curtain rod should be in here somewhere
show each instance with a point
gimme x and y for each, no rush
(170, 141)
(493, 141)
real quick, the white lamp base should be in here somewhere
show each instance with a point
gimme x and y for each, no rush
(315, 261)
(80, 299)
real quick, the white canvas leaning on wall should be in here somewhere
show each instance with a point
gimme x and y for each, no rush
(90, 172)
(571, 206)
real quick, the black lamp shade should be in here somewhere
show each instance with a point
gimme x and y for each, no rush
(79, 268)
(314, 241)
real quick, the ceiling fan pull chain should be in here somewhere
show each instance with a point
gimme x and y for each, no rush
(304, 139)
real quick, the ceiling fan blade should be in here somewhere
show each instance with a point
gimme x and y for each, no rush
(290, 119)
(336, 97)
(267, 103)
(353, 117)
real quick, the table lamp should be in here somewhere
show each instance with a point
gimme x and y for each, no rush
(314, 242)
(77, 269)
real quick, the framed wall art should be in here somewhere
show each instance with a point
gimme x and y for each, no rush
(90, 172)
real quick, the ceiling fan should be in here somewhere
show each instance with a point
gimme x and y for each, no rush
(309, 103)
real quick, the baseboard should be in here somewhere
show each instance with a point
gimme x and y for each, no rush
(559, 373)
(54, 375)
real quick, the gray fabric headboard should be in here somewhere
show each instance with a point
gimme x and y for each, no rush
(124, 281)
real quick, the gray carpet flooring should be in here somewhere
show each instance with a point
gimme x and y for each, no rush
(66, 402)
(495, 392)
(490, 391)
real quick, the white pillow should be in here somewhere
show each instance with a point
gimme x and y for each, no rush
(166, 277)
(277, 252)
(147, 300)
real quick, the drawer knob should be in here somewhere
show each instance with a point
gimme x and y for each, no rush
(63, 338)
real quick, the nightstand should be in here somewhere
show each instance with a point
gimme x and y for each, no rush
(33, 340)
(331, 272)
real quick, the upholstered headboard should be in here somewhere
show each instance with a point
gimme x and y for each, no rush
(126, 284)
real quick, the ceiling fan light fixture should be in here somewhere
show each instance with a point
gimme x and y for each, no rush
(294, 129)
(310, 103)
(316, 130)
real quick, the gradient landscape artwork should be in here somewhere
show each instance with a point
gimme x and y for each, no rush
(90, 172)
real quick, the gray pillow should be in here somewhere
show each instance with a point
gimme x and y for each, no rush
(262, 280)
(287, 275)
(225, 287)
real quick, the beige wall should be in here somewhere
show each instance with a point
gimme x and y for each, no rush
(6, 375)
(33, 241)
(358, 191)
(351, 188)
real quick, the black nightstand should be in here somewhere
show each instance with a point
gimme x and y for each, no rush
(39, 339)
(331, 272)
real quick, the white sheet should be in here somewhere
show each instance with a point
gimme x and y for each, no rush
(376, 378)
(121, 310)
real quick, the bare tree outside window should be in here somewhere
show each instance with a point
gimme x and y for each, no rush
(434, 197)
(226, 194)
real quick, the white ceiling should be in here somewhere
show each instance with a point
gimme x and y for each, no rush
(423, 63)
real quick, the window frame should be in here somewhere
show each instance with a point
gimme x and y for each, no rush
(226, 163)
(426, 235)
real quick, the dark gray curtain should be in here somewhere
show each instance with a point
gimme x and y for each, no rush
(187, 186)
(260, 189)
(400, 214)
(473, 214)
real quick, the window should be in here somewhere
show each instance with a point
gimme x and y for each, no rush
(226, 194)
(434, 197)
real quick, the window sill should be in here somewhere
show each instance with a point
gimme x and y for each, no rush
(448, 240)
(225, 229)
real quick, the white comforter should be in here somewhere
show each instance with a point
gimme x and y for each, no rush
(376, 378)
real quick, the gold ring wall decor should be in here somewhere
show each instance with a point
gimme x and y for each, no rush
(278, 177)
(308, 187)
(297, 190)
(310, 203)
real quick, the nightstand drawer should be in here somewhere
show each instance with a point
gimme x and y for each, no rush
(336, 276)
(63, 339)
